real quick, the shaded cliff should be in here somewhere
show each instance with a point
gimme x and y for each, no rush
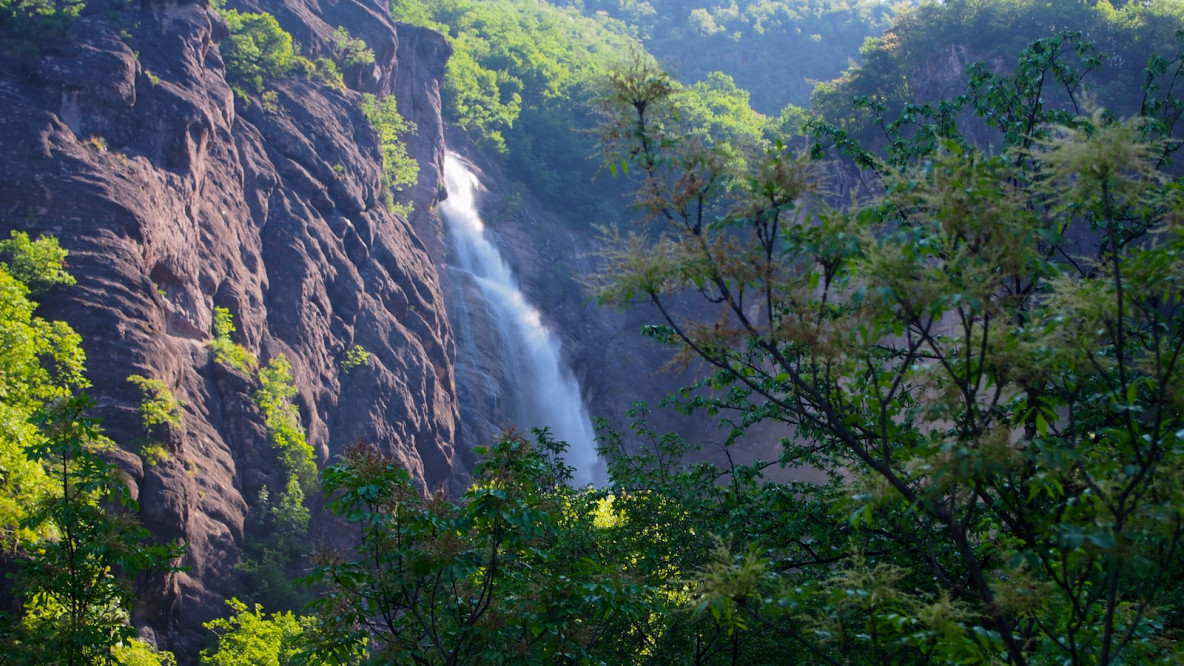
(126, 142)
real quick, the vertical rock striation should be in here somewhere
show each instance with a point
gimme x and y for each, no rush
(126, 143)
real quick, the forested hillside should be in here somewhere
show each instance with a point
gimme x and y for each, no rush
(522, 81)
(775, 49)
(525, 75)
(922, 56)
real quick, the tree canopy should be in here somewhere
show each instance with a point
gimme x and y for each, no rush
(1125, 37)
(985, 361)
(775, 49)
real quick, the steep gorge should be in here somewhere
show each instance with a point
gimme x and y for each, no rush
(126, 142)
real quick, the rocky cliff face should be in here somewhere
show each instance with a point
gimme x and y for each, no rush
(126, 143)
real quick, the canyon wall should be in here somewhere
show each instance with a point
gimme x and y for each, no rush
(173, 197)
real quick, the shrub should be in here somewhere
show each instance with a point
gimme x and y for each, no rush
(257, 49)
(399, 169)
(39, 264)
(226, 351)
(159, 407)
(356, 356)
(350, 51)
(283, 421)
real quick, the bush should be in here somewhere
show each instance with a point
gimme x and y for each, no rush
(251, 637)
(257, 49)
(40, 264)
(355, 357)
(399, 169)
(350, 51)
(226, 351)
(27, 24)
(283, 422)
(159, 407)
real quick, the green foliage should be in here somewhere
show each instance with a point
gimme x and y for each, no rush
(276, 547)
(996, 411)
(278, 527)
(138, 653)
(153, 453)
(276, 389)
(158, 407)
(66, 520)
(323, 70)
(39, 264)
(42, 363)
(399, 169)
(717, 112)
(520, 81)
(75, 585)
(1123, 41)
(27, 25)
(257, 49)
(252, 637)
(226, 351)
(503, 574)
(349, 50)
(775, 49)
(355, 357)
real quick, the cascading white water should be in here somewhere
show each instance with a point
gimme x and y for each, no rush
(543, 391)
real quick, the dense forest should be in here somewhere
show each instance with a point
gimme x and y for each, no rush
(524, 76)
(1123, 39)
(776, 49)
(979, 354)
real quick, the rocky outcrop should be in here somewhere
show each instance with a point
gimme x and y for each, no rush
(126, 143)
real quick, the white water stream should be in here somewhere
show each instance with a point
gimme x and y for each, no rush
(543, 391)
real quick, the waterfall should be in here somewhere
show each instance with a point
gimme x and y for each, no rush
(540, 390)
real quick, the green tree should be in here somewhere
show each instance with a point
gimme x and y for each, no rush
(997, 407)
(673, 526)
(257, 49)
(65, 513)
(719, 111)
(996, 31)
(39, 264)
(520, 81)
(350, 50)
(252, 637)
(138, 653)
(774, 49)
(42, 362)
(499, 576)
(30, 24)
(76, 585)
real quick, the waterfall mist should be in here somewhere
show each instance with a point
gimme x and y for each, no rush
(539, 390)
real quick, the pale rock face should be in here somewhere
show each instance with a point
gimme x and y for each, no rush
(184, 200)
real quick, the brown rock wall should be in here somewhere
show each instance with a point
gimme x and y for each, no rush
(127, 143)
